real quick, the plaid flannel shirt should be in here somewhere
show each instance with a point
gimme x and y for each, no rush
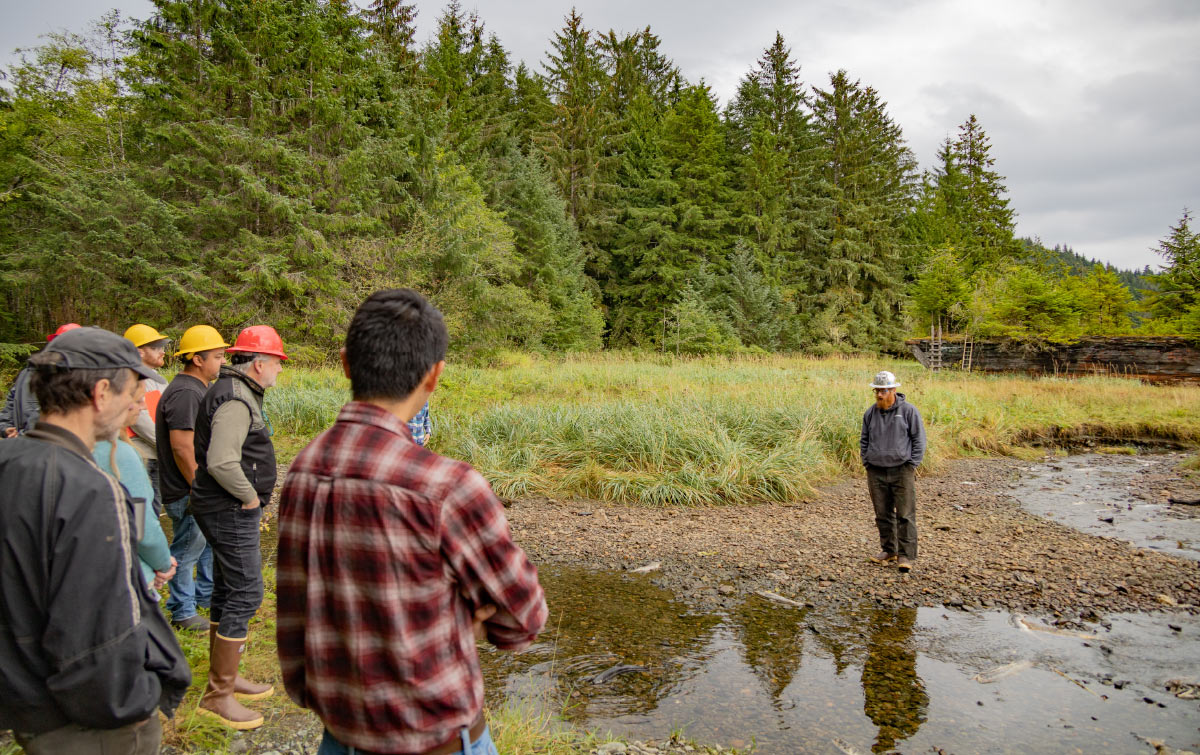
(385, 552)
(420, 426)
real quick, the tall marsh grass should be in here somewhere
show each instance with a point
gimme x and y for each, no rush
(704, 431)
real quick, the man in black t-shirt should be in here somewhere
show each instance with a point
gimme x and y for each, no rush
(202, 352)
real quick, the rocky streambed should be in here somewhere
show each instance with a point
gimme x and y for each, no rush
(767, 626)
(979, 547)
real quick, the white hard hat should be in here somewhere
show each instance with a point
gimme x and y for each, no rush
(885, 379)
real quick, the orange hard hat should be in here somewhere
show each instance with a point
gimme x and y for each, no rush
(62, 329)
(259, 339)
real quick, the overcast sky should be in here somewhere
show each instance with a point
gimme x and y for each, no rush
(1091, 105)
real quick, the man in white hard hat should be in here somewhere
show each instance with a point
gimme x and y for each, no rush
(892, 447)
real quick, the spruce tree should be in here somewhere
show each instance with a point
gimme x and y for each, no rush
(643, 223)
(640, 84)
(974, 195)
(696, 245)
(575, 142)
(1178, 295)
(770, 137)
(532, 107)
(866, 181)
(392, 24)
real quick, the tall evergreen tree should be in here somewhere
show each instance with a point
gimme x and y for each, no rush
(532, 108)
(575, 142)
(1178, 296)
(644, 221)
(696, 245)
(640, 84)
(866, 179)
(392, 24)
(770, 138)
(974, 196)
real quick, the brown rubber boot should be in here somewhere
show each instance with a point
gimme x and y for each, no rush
(243, 688)
(218, 700)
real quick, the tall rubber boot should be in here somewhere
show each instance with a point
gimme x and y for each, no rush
(218, 700)
(243, 689)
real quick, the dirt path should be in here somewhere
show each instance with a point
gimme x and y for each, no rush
(978, 548)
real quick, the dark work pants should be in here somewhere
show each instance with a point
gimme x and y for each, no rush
(152, 470)
(895, 498)
(232, 533)
(142, 738)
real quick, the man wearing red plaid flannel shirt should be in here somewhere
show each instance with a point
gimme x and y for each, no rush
(393, 559)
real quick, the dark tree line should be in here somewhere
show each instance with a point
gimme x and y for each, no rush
(237, 161)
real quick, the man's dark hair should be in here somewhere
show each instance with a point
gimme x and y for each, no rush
(395, 337)
(186, 359)
(61, 391)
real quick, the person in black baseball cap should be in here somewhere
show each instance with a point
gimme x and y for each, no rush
(103, 659)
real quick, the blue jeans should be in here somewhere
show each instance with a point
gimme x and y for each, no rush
(191, 551)
(482, 746)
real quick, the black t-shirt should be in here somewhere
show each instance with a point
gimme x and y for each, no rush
(177, 410)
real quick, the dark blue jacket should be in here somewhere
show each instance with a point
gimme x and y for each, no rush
(21, 410)
(81, 638)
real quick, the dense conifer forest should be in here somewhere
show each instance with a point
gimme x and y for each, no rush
(238, 161)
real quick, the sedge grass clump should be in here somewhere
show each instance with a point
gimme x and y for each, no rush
(305, 402)
(660, 453)
(523, 728)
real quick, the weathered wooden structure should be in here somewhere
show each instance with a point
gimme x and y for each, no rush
(1154, 358)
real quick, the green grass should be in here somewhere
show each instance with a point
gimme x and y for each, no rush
(662, 431)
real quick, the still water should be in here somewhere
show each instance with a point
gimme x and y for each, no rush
(802, 680)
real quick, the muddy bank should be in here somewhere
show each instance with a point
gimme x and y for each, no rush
(978, 548)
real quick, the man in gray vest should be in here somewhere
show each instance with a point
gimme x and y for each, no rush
(235, 477)
(892, 446)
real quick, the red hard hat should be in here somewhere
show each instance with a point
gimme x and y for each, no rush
(62, 329)
(259, 339)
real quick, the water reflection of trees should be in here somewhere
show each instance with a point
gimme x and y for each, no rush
(879, 641)
(894, 696)
(772, 641)
(597, 620)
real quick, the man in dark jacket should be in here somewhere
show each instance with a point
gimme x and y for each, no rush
(892, 446)
(86, 658)
(20, 412)
(235, 476)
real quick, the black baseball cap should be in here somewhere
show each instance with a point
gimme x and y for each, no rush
(90, 349)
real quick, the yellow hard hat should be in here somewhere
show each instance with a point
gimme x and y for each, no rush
(143, 334)
(200, 338)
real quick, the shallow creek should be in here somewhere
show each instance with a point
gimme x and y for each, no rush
(623, 655)
(1096, 494)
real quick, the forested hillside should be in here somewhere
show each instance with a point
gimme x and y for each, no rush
(1138, 281)
(239, 161)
